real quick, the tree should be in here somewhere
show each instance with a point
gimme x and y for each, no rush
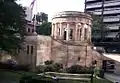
(44, 29)
(96, 27)
(48, 62)
(12, 25)
(41, 17)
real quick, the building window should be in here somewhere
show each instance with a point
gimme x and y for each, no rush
(85, 34)
(77, 33)
(59, 31)
(79, 58)
(28, 49)
(28, 29)
(31, 49)
(94, 62)
(65, 35)
(80, 32)
(71, 33)
(32, 30)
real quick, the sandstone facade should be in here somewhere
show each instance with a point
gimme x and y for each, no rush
(69, 43)
(71, 39)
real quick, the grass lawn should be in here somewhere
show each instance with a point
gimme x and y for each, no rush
(16, 75)
(13, 75)
(101, 81)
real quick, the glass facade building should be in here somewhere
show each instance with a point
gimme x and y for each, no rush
(111, 14)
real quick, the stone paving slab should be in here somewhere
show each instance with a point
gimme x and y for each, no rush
(112, 77)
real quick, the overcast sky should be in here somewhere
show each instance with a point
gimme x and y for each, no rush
(52, 6)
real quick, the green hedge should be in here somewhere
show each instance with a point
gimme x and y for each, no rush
(77, 69)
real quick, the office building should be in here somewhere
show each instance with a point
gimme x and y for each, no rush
(111, 14)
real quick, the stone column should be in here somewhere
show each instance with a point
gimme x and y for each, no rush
(86, 33)
(80, 32)
(89, 33)
(53, 26)
(68, 26)
(61, 31)
(76, 32)
(55, 31)
(82, 36)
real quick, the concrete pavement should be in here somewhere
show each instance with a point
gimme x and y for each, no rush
(112, 77)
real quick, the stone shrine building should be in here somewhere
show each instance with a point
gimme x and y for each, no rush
(71, 39)
(69, 43)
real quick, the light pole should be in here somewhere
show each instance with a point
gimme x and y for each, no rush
(67, 45)
(85, 6)
(85, 39)
(85, 55)
(102, 17)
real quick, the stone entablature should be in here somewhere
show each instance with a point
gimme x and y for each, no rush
(72, 13)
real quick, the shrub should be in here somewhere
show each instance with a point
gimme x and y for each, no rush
(49, 68)
(78, 69)
(48, 62)
(40, 69)
(15, 67)
(55, 67)
(20, 68)
(62, 71)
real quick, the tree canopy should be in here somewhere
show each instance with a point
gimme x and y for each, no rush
(96, 27)
(44, 29)
(12, 25)
(41, 17)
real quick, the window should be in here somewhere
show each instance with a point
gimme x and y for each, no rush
(32, 30)
(77, 33)
(71, 33)
(79, 58)
(31, 49)
(65, 35)
(85, 34)
(94, 62)
(80, 32)
(28, 49)
(28, 29)
(59, 31)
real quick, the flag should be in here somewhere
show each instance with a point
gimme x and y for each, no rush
(32, 3)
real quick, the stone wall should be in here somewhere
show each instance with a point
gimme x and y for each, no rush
(68, 55)
(69, 43)
(43, 49)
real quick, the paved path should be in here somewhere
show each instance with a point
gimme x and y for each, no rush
(67, 76)
(112, 77)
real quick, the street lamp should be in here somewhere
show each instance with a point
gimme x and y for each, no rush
(85, 38)
(68, 30)
(100, 50)
(102, 16)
